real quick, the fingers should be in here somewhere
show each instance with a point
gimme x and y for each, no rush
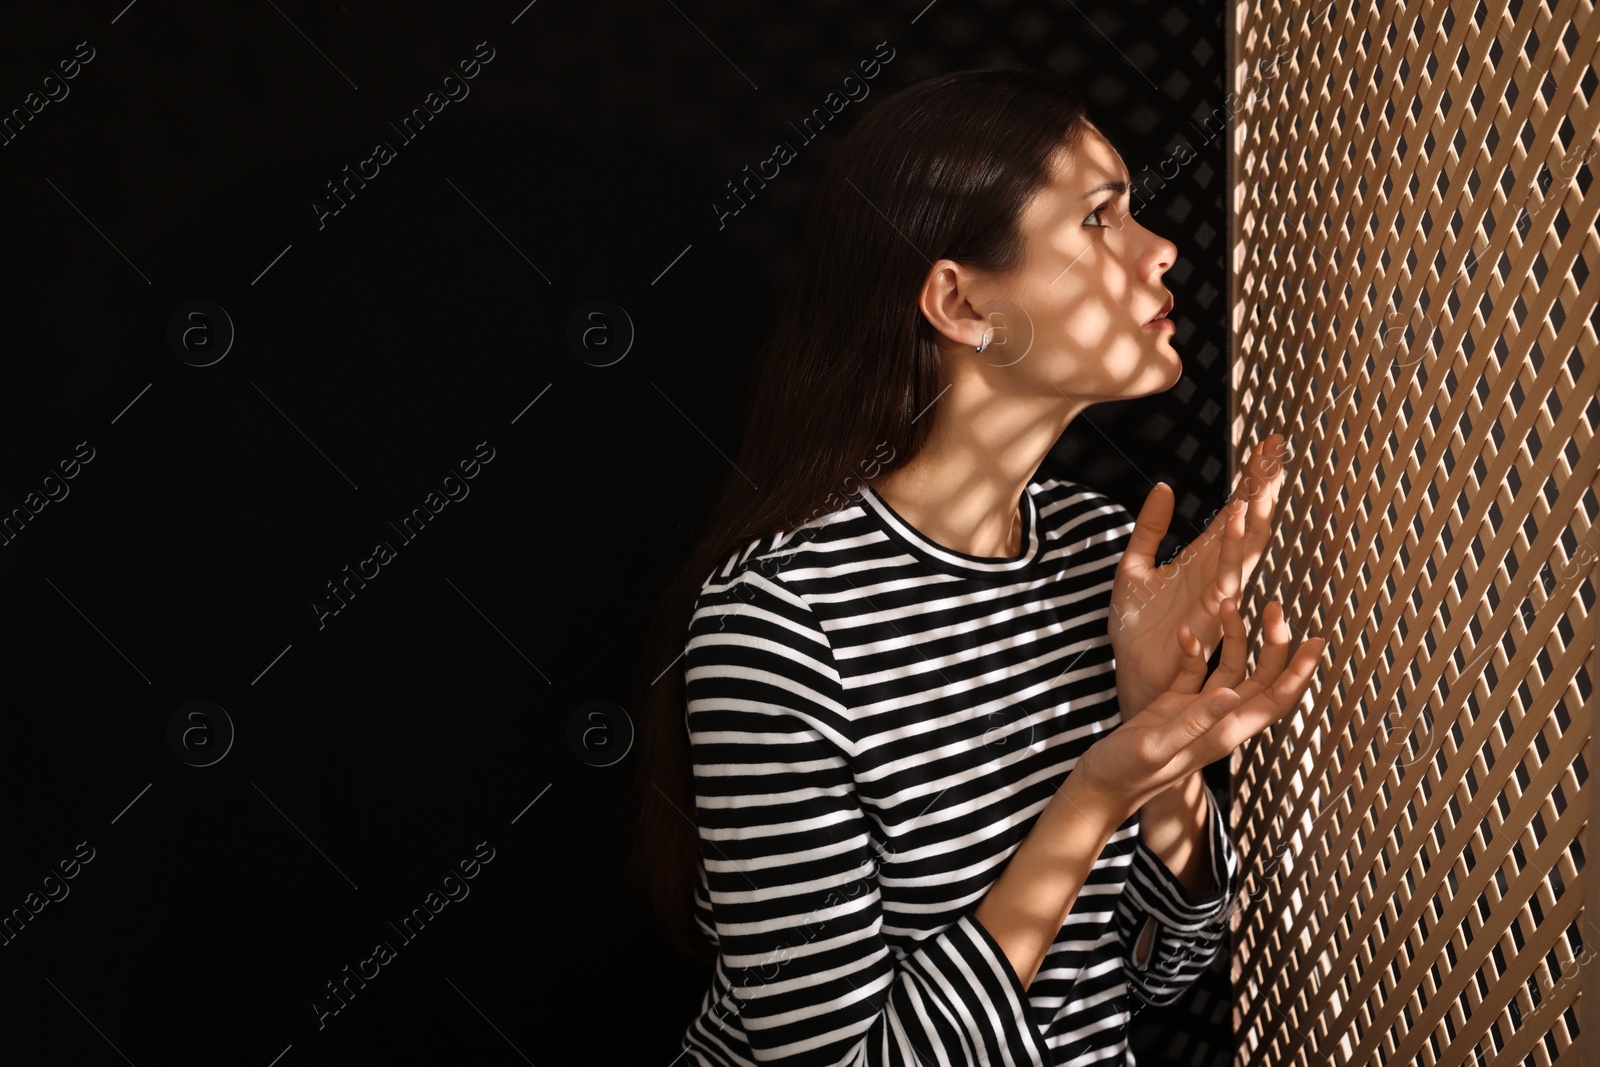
(1188, 736)
(1193, 671)
(1269, 478)
(1230, 672)
(1286, 690)
(1247, 704)
(1264, 476)
(1235, 648)
(1150, 527)
(1268, 706)
(1230, 568)
(1275, 652)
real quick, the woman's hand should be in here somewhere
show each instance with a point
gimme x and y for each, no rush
(1184, 729)
(1149, 604)
(1176, 735)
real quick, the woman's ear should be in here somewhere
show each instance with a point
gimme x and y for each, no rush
(950, 302)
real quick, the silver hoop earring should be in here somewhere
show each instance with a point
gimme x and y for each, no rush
(985, 343)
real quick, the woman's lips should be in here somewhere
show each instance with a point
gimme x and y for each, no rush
(1161, 316)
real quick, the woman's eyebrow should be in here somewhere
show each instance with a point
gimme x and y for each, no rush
(1119, 186)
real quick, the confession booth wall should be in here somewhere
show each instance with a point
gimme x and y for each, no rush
(1413, 290)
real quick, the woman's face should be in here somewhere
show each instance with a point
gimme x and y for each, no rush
(1072, 316)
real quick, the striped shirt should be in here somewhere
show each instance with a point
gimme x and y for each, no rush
(875, 723)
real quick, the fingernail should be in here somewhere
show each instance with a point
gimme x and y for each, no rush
(1223, 701)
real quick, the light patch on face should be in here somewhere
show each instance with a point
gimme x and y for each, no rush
(1090, 278)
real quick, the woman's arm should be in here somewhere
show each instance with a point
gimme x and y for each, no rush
(1026, 906)
(1175, 826)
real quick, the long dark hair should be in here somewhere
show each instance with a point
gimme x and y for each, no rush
(940, 169)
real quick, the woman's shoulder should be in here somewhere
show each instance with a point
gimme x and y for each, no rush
(750, 636)
(766, 558)
(751, 581)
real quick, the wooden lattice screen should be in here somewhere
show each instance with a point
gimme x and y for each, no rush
(1415, 274)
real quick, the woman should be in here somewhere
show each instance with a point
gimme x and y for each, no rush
(927, 784)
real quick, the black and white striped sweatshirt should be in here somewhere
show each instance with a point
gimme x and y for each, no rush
(875, 723)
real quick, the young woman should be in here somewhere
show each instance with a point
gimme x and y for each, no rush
(926, 783)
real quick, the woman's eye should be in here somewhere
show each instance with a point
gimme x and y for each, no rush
(1101, 210)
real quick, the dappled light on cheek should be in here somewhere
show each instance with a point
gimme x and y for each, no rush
(1086, 304)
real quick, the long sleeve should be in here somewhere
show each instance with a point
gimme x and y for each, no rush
(792, 871)
(1188, 934)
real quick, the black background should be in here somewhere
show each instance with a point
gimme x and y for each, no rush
(372, 353)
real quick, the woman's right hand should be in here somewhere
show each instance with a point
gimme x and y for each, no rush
(1182, 730)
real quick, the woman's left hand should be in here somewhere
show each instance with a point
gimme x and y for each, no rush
(1149, 603)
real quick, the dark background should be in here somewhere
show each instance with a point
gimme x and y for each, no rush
(375, 751)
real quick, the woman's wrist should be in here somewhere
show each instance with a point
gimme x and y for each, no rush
(1173, 824)
(1080, 799)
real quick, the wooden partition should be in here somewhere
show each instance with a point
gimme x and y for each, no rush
(1414, 277)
